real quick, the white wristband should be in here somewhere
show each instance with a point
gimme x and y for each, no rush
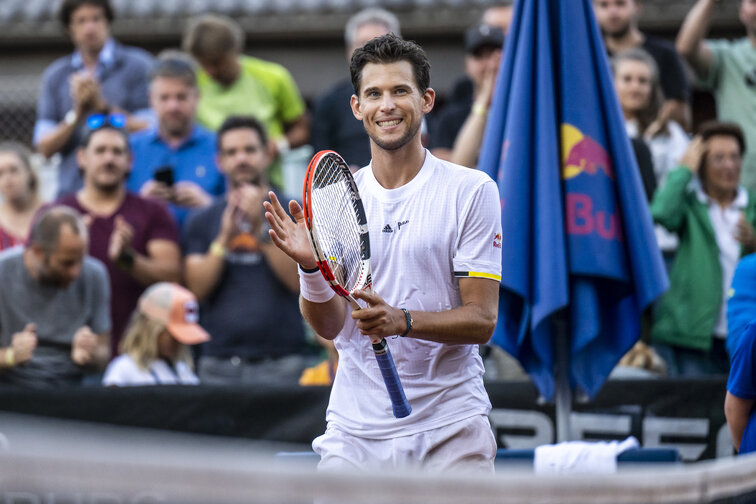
(313, 287)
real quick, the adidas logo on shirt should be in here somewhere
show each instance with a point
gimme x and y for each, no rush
(388, 229)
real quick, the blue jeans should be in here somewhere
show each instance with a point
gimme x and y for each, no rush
(692, 363)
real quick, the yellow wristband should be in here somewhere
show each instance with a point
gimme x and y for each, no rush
(479, 109)
(217, 249)
(10, 357)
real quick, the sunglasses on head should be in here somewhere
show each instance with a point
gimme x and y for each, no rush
(97, 121)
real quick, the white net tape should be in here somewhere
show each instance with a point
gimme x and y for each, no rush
(92, 465)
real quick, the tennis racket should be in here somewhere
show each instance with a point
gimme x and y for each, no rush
(338, 230)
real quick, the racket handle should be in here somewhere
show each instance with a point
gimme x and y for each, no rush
(399, 402)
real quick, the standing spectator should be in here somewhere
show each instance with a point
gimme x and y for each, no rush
(334, 125)
(136, 238)
(618, 20)
(177, 148)
(247, 286)
(235, 84)
(19, 189)
(100, 76)
(728, 69)
(636, 79)
(154, 350)
(714, 220)
(54, 322)
(458, 133)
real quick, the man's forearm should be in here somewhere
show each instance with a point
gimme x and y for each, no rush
(203, 271)
(689, 41)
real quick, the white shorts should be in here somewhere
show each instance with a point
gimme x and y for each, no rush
(468, 445)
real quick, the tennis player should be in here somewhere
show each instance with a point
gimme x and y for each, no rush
(435, 238)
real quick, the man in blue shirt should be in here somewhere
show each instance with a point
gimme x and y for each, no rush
(175, 161)
(100, 76)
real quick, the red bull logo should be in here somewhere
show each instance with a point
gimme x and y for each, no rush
(583, 154)
(497, 240)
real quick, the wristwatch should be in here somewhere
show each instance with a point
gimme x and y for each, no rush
(71, 117)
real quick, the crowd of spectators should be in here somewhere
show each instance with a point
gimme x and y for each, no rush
(165, 162)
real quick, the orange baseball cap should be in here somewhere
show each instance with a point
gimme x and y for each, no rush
(177, 308)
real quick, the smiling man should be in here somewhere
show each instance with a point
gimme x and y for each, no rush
(714, 218)
(136, 238)
(436, 282)
(54, 322)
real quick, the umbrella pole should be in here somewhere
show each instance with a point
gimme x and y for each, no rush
(562, 391)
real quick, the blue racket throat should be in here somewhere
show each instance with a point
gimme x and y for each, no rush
(399, 403)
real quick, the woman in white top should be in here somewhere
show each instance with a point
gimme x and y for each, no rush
(636, 79)
(154, 349)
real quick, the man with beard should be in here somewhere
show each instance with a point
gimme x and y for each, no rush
(54, 322)
(136, 238)
(618, 20)
(175, 162)
(435, 253)
(246, 286)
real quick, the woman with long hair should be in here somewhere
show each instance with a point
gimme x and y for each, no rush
(19, 190)
(636, 79)
(154, 349)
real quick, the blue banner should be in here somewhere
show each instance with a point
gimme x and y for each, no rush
(577, 232)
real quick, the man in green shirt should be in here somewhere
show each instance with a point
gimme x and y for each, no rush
(728, 69)
(232, 83)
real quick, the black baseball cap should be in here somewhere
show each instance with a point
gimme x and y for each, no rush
(483, 35)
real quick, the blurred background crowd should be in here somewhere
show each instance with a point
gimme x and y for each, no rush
(140, 138)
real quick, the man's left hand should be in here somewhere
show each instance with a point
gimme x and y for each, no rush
(188, 194)
(84, 348)
(745, 234)
(379, 319)
(120, 238)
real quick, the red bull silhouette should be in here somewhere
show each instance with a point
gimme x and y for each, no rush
(582, 154)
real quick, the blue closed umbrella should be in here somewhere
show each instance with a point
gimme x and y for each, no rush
(577, 233)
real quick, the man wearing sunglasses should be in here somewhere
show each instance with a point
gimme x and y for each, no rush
(136, 238)
(100, 76)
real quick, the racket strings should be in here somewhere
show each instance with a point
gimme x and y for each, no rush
(336, 225)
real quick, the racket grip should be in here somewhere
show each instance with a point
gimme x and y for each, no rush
(399, 402)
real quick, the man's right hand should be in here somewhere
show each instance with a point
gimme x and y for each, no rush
(86, 94)
(24, 343)
(289, 235)
(693, 156)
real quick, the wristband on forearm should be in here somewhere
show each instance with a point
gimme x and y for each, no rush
(313, 287)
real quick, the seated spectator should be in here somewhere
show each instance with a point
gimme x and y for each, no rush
(334, 125)
(101, 76)
(154, 349)
(247, 287)
(741, 346)
(232, 83)
(727, 69)
(618, 20)
(714, 219)
(134, 237)
(54, 321)
(19, 189)
(458, 133)
(175, 161)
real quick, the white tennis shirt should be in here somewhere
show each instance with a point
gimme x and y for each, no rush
(444, 224)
